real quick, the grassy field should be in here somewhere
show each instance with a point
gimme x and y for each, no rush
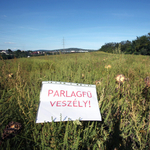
(125, 112)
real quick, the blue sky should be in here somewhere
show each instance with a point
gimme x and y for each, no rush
(89, 24)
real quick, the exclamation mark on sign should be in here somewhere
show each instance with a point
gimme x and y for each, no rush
(89, 104)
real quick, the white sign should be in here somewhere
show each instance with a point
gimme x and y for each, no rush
(63, 101)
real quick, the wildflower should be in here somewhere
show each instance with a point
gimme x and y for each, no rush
(77, 122)
(109, 66)
(82, 75)
(11, 130)
(97, 82)
(120, 78)
(10, 75)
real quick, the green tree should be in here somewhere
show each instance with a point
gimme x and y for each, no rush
(10, 51)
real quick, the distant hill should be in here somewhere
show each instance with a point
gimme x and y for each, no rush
(68, 50)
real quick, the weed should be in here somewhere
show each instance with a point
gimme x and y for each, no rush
(125, 113)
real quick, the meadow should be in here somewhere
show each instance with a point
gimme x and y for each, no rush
(125, 112)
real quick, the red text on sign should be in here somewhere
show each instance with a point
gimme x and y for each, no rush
(62, 93)
(68, 103)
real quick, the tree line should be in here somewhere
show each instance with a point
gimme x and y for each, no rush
(139, 46)
(18, 54)
(14, 54)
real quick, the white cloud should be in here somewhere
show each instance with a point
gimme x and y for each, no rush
(9, 43)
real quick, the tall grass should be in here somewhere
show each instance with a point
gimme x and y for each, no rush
(125, 113)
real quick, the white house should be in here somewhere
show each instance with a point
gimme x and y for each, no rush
(5, 52)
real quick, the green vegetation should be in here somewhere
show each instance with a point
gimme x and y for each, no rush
(15, 54)
(9, 54)
(125, 113)
(139, 46)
